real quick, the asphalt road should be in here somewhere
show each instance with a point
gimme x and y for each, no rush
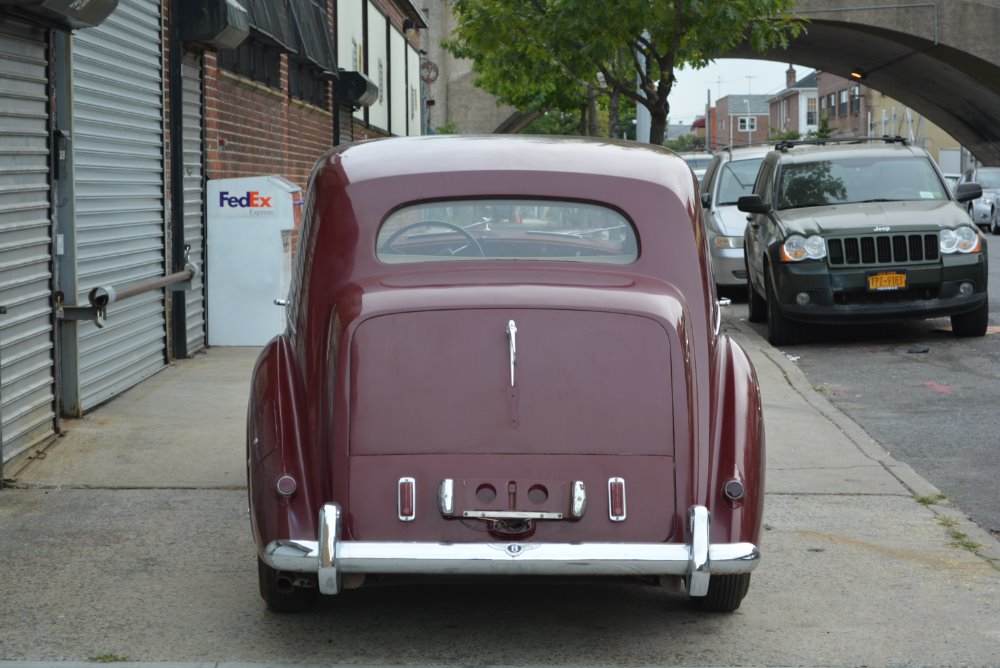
(929, 398)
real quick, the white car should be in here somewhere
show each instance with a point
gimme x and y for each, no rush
(730, 175)
(984, 209)
(697, 162)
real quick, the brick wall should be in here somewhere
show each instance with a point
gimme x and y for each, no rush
(252, 130)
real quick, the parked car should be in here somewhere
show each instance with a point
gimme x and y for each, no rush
(730, 176)
(984, 209)
(697, 162)
(861, 233)
(503, 357)
(952, 179)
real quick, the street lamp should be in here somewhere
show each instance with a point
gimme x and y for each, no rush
(749, 140)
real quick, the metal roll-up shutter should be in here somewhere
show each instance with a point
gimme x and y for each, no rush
(194, 199)
(27, 363)
(119, 195)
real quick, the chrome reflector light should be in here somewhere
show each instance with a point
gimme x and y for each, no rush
(616, 499)
(406, 501)
(579, 503)
(446, 497)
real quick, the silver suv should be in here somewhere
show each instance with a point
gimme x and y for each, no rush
(729, 176)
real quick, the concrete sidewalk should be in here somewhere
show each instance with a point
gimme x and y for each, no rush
(129, 540)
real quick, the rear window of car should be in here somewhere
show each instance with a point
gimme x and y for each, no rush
(736, 179)
(515, 229)
(858, 179)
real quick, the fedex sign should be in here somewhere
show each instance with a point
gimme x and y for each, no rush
(251, 200)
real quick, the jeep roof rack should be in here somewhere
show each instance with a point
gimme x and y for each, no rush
(786, 144)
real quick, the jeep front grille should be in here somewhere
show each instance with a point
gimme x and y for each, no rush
(883, 249)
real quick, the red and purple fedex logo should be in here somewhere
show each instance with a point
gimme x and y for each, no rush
(252, 200)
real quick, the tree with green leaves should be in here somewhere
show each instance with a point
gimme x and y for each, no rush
(555, 55)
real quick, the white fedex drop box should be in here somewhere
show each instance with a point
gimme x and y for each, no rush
(250, 225)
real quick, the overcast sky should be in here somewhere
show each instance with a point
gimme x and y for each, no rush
(726, 76)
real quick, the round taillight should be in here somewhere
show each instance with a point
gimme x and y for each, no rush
(286, 485)
(734, 490)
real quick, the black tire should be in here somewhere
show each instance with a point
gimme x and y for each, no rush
(279, 594)
(972, 323)
(756, 306)
(994, 226)
(725, 593)
(780, 330)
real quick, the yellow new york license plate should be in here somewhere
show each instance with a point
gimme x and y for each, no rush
(886, 280)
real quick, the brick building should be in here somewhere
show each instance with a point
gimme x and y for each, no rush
(114, 116)
(741, 120)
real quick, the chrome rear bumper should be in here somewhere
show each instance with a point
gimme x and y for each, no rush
(329, 557)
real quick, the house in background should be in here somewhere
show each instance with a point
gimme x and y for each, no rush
(855, 110)
(795, 109)
(742, 120)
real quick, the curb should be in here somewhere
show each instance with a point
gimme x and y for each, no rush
(944, 510)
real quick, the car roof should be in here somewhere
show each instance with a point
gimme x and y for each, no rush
(748, 152)
(435, 154)
(813, 152)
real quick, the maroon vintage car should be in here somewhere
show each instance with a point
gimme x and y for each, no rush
(502, 357)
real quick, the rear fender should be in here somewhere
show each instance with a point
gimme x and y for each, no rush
(737, 447)
(276, 444)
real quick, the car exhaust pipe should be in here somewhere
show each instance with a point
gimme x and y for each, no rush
(284, 584)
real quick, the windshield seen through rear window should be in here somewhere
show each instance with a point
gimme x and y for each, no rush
(507, 230)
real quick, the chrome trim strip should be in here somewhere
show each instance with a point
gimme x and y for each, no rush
(512, 346)
(698, 576)
(330, 558)
(579, 503)
(510, 515)
(446, 497)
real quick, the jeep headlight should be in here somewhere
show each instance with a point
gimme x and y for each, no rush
(960, 240)
(797, 248)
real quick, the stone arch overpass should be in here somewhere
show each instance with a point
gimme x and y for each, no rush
(941, 58)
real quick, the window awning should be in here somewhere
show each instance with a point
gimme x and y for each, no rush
(64, 15)
(269, 22)
(311, 36)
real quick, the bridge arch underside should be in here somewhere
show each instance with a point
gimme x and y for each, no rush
(952, 88)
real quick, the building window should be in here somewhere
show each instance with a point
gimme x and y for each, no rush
(307, 83)
(831, 103)
(381, 80)
(856, 99)
(842, 107)
(255, 60)
(811, 117)
(748, 124)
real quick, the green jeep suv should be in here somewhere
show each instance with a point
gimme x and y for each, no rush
(861, 232)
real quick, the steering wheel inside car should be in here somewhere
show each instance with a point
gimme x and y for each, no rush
(387, 244)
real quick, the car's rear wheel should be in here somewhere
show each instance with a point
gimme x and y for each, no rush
(280, 594)
(994, 226)
(780, 330)
(756, 306)
(972, 323)
(725, 593)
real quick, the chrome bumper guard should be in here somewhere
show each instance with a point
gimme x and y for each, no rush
(330, 558)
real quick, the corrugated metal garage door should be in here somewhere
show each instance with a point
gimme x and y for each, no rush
(27, 366)
(194, 200)
(119, 194)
